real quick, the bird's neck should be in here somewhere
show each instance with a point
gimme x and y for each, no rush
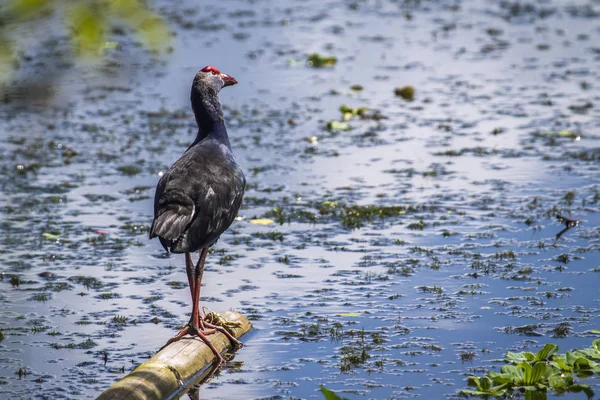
(212, 130)
(209, 117)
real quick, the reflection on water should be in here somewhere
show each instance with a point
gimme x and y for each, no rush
(456, 194)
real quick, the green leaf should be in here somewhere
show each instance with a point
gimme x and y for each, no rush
(514, 358)
(501, 378)
(562, 364)
(570, 358)
(317, 60)
(468, 393)
(560, 382)
(512, 371)
(525, 379)
(533, 375)
(544, 354)
(87, 29)
(7, 58)
(484, 387)
(590, 353)
(473, 381)
(344, 109)
(330, 395)
(406, 92)
(50, 236)
(337, 126)
(519, 372)
(565, 134)
(348, 113)
(582, 364)
(497, 393)
(486, 384)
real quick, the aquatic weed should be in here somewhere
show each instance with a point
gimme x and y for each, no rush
(108, 296)
(89, 282)
(561, 330)
(468, 356)
(405, 92)
(273, 235)
(43, 297)
(538, 373)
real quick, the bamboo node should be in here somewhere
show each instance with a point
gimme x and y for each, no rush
(177, 375)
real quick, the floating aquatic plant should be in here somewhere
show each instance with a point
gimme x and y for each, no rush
(337, 126)
(317, 60)
(348, 113)
(406, 92)
(330, 395)
(261, 221)
(540, 372)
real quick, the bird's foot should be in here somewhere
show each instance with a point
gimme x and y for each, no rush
(234, 342)
(193, 330)
(202, 333)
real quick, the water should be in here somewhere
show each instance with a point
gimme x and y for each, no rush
(471, 157)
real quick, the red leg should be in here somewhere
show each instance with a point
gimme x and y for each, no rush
(203, 325)
(189, 268)
(197, 325)
(197, 279)
(194, 327)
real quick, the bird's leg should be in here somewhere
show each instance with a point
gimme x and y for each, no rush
(192, 327)
(197, 285)
(203, 324)
(196, 326)
(189, 268)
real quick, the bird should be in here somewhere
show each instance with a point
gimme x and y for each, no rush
(199, 197)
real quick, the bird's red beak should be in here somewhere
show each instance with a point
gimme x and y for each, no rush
(228, 80)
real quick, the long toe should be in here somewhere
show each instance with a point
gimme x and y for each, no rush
(180, 334)
(234, 342)
(203, 334)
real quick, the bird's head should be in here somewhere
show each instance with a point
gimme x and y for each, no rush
(205, 95)
(210, 77)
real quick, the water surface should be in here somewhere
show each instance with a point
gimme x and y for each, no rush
(469, 178)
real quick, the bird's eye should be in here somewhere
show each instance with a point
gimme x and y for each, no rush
(214, 72)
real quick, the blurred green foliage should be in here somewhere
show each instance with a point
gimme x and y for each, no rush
(88, 24)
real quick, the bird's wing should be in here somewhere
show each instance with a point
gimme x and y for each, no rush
(173, 213)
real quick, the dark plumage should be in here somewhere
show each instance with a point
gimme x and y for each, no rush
(198, 198)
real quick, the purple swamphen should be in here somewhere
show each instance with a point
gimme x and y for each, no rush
(198, 198)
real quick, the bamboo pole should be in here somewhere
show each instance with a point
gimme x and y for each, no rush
(173, 369)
